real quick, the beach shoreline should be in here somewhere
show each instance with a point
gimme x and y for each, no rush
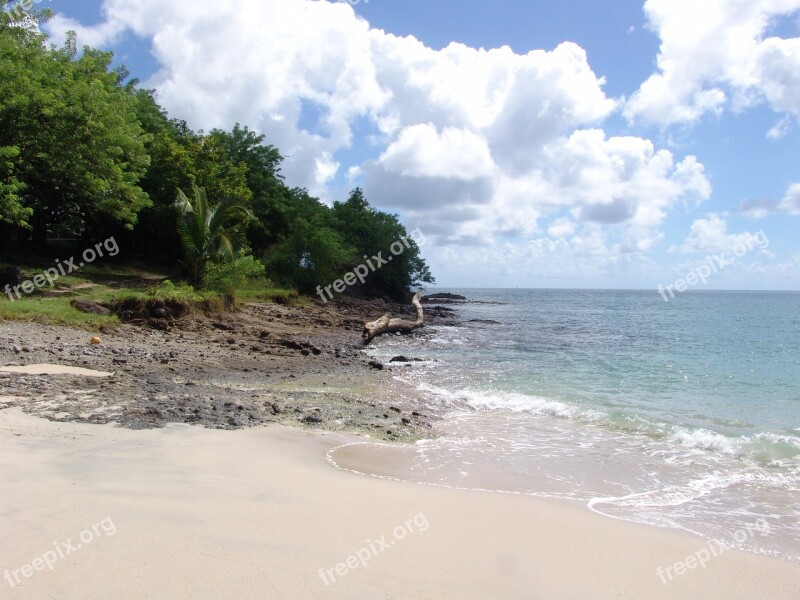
(255, 488)
(258, 512)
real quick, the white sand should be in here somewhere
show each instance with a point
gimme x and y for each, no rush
(45, 369)
(256, 513)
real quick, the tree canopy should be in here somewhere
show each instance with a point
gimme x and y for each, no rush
(85, 153)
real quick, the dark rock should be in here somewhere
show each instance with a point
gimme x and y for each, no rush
(405, 359)
(90, 307)
(312, 418)
(376, 365)
(446, 296)
(395, 409)
(10, 276)
(292, 344)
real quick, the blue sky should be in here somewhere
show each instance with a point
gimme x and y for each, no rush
(584, 143)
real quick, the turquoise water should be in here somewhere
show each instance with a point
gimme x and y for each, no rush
(683, 414)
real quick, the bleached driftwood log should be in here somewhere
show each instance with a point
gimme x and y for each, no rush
(386, 324)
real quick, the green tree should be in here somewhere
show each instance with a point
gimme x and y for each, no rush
(180, 159)
(271, 202)
(312, 252)
(371, 231)
(80, 147)
(12, 212)
(207, 233)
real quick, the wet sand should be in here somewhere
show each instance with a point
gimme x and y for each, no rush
(259, 513)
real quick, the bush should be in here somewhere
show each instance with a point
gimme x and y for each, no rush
(227, 277)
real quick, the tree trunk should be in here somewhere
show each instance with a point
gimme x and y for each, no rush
(386, 324)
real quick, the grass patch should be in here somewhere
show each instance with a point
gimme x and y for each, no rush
(131, 286)
(256, 293)
(55, 311)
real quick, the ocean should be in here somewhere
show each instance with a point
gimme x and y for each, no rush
(682, 414)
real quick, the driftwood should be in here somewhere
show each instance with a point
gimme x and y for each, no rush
(386, 324)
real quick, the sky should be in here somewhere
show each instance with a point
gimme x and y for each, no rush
(570, 144)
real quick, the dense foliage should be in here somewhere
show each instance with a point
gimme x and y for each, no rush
(86, 154)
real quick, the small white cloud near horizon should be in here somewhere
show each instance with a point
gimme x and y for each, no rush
(711, 235)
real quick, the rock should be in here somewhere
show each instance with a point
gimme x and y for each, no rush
(376, 365)
(312, 418)
(90, 307)
(264, 334)
(10, 276)
(395, 409)
(446, 296)
(405, 359)
(291, 344)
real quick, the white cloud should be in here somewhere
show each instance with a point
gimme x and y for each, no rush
(791, 201)
(421, 151)
(790, 204)
(711, 235)
(718, 54)
(479, 147)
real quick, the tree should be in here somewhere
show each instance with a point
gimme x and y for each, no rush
(271, 198)
(79, 146)
(313, 252)
(371, 231)
(12, 212)
(207, 233)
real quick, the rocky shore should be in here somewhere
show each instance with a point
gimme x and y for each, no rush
(262, 363)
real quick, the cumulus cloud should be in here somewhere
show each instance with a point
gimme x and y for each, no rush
(719, 54)
(711, 235)
(790, 204)
(478, 146)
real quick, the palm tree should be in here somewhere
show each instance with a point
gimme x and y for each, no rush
(207, 233)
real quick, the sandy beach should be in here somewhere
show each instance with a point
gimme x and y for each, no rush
(188, 512)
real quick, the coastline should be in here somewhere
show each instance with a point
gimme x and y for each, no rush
(258, 512)
(261, 364)
(264, 503)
